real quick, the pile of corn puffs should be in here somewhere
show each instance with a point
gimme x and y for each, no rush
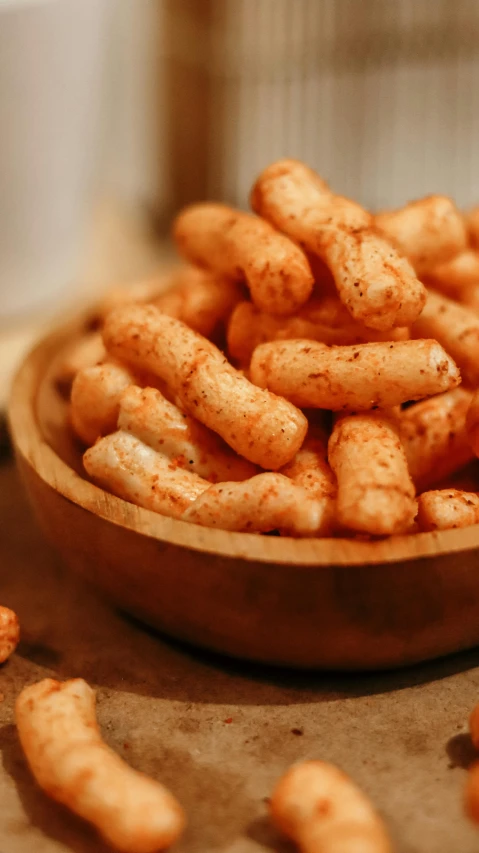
(311, 370)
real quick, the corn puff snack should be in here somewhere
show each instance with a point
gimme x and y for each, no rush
(446, 508)
(95, 399)
(193, 407)
(311, 470)
(260, 426)
(131, 470)
(472, 225)
(377, 285)
(263, 503)
(325, 320)
(435, 437)
(243, 247)
(471, 793)
(61, 740)
(456, 275)
(470, 296)
(375, 492)
(9, 633)
(200, 299)
(148, 415)
(319, 808)
(456, 328)
(365, 376)
(429, 231)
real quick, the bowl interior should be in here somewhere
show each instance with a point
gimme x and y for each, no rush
(38, 415)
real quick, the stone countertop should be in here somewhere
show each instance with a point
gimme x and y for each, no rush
(219, 733)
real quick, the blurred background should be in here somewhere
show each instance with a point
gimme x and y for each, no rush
(115, 113)
(381, 96)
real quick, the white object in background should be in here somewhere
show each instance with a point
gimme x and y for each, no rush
(51, 57)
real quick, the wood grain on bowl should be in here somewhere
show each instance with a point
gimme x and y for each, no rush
(332, 603)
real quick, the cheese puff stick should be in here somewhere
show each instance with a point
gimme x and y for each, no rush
(61, 740)
(325, 320)
(266, 502)
(445, 508)
(147, 414)
(471, 793)
(9, 633)
(263, 428)
(364, 376)
(456, 275)
(428, 231)
(131, 470)
(311, 470)
(244, 247)
(375, 491)
(472, 225)
(469, 296)
(472, 423)
(435, 438)
(200, 299)
(95, 399)
(376, 284)
(310, 467)
(456, 328)
(319, 808)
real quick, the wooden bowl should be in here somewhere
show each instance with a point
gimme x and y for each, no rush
(329, 603)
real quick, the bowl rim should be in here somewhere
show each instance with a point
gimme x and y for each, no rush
(30, 443)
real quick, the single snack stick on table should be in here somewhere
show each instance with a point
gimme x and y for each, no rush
(364, 376)
(131, 470)
(471, 793)
(9, 633)
(244, 247)
(435, 437)
(320, 808)
(375, 492)
(61, 740)
(201, 299)
(377, 285)
(428, 231)
(265, 429)
(95, 399)
(447, 508)
(456, 328)
(456, 275)
(267, 502)
(148, 415)
(325, 320)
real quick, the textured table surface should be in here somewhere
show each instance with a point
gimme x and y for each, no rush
(219, 733)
